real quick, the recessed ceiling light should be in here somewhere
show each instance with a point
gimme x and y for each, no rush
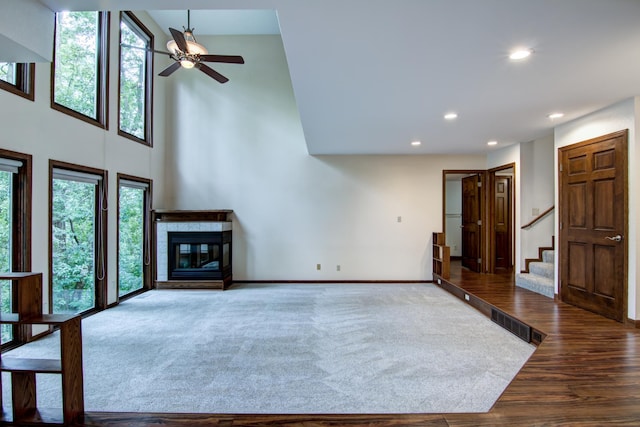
(492, 143)
(518, 54)
(555, 115)
(451, 116)
(416, 143)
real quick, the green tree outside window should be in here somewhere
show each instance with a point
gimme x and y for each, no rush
(133, 72)
(76, 62)
(5, 248)
(131, 235)
(8, 72)
(73, 246)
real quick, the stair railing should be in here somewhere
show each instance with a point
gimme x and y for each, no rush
(538, 218)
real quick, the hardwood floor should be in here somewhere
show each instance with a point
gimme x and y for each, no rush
(586, 372)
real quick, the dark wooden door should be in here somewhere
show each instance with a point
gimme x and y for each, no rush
(593, 218)
(471, 226)
(502, 223)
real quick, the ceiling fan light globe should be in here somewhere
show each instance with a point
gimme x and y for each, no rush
(187, 64)
(172, 47)
(196, 48)
(193, 47)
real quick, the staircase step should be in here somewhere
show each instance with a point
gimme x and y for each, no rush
(549, 256)
(545, 269)
(536, 283)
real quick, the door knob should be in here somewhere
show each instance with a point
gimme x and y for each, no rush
(617, 238)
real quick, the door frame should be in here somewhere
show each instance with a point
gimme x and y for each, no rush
(147, 270)
(100, 243)
(483, 204)
(625, 178)
(491, 236)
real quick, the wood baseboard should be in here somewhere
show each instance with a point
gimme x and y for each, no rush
(632, 323)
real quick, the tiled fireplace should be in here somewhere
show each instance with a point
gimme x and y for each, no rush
(193, 249)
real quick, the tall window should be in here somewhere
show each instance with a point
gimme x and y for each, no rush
(134, 235)
(78, 246)
(15, 231)
(136, 79)
(18, 78)
(79, 74)
(6, 199)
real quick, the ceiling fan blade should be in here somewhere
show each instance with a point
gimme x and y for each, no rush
(229, 59)
(212, 73)
(170, 69)
(180, 41)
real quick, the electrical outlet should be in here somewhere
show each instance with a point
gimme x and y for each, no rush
(399, 219)
(318, 267)
(535, 212)
(338, 267)
(466, 297)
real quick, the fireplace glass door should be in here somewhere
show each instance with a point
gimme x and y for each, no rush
(199, 255)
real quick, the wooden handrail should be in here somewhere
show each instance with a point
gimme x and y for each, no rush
(538, 218)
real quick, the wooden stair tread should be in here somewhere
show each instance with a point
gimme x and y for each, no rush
(19, 364)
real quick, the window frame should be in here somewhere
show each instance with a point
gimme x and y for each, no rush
(141, 30)
(100, 237)
(25, 84)
(147, 269)
(21, 229)
(102, 95)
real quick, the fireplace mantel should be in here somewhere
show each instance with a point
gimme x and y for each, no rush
(195, 216)
(215, 223)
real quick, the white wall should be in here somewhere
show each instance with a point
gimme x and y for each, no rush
(244, 149)
(26, 31)
(623, 115)
(34, 128)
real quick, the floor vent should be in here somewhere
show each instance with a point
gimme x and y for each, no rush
(512, 325)
(536, 336)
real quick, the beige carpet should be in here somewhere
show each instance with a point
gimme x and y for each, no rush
(286, 348)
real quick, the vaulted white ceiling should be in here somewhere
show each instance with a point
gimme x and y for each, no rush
(370, 76)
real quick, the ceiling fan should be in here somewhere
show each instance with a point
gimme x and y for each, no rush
(188, 53)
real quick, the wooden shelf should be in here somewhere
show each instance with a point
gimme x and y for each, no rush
(42, 319)
(441, 257)
(27, 289)
(221, 215)
(37, 416)
(42, 366)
